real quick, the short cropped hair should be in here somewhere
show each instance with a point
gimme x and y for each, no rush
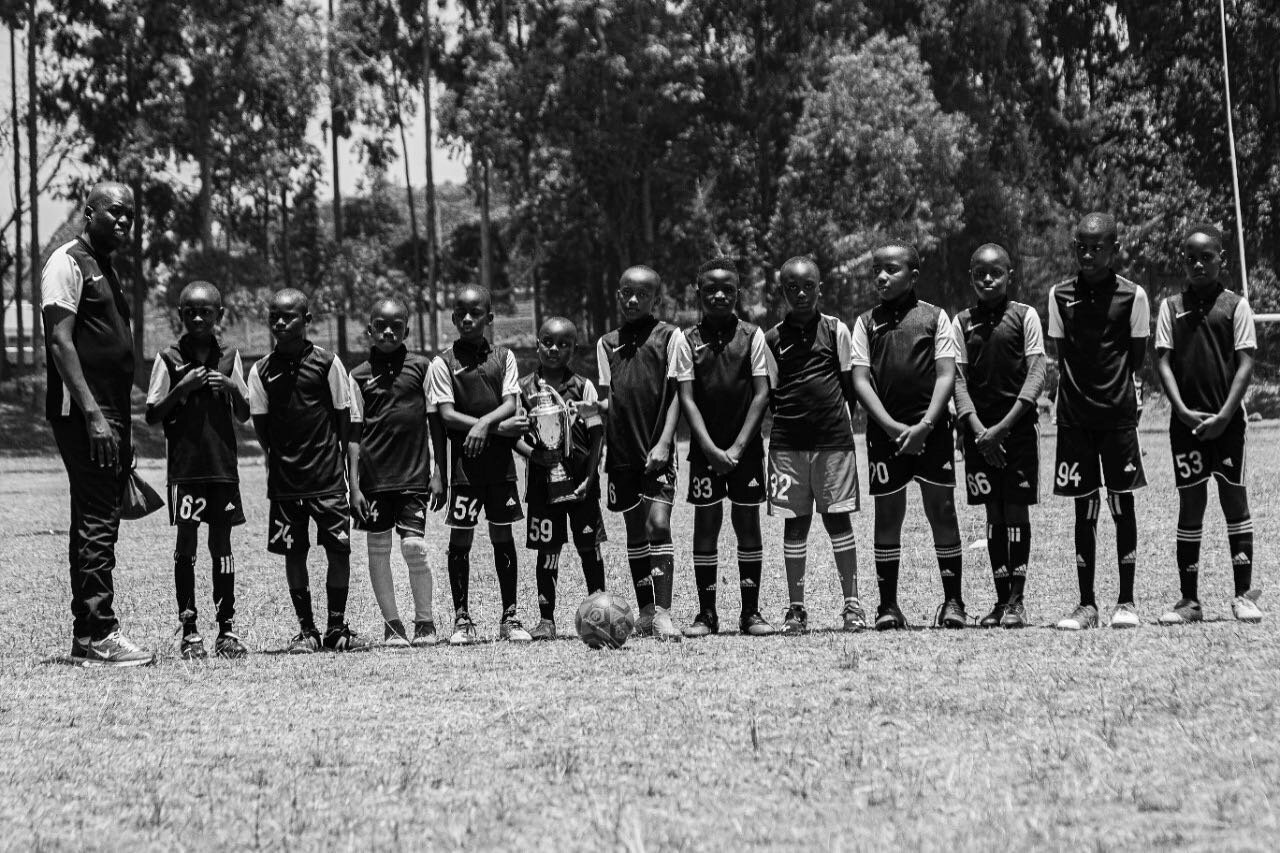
(721, 263)
(913, 254)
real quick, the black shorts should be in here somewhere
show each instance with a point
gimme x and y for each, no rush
(1087, 458)
(500, 502)
(214, 504)
(1194, 460)
(744, 485)
(405, 512)
(288, 524)
(1018, 482)
(890, 473)
(628, 486)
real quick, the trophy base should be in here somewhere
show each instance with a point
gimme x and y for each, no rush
(560, 491)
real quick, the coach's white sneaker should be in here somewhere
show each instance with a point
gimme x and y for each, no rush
(1125, 616)
(1245, 607)
(1085, 616)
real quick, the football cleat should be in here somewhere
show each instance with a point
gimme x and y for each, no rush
(1245, 607)
(664, 630)
(424, 634)
(754, 625)
(228, 646)
(192, 647)
(1084, 617)
(796, 621)
(995, 617)
(889, 618)
(116, 650)
(464, 631)
(705, 623)
(644, 622)
(307, 641)
(951, 614)
(544, 630)
(393, 635)
(342, 639)
(512, 629)
(1015, 615)
(853, 618)
(1184, 612)
(1125, 616)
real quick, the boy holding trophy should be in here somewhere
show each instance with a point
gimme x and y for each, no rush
(563, 449)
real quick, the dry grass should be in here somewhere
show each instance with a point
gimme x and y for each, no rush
(924, 739)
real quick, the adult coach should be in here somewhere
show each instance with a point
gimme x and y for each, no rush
(90, 375)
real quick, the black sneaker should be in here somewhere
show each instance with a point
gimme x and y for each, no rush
(796, 621)
(889, 618)
(393, 635)
(307, 641)
(341, 638)
(424, 634)
(951, 614)
(992, 619)
(755, 625)
(705, 623)
(228, 646)
(1015, 616)
(193, 647)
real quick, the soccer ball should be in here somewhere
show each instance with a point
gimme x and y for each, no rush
(604, 620)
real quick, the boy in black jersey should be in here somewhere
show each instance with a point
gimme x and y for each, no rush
(1205, 343)
(1099, 322)
(1001, 368)
(638, 398)
(299, 397)
(721, 366)
(549, 524)
(197, 389)
(811, 455)
(904, 353)
(474, 387)
(400, 481)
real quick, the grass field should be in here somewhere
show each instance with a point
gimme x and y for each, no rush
(923, 739)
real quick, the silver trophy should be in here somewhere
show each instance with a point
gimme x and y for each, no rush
(551, 427)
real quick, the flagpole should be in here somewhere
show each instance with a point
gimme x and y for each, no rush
(1231, 139)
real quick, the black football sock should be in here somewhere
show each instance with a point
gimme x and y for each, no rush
(592, 567)
(295, 569)
(547, 574)
(224, 576)
(662, 568)
(750, 568)
(705, 571)
(998, 551)
(641, 575)
(1240, 539)
(336, 587)
(887, 557)
(459, 560)
(504, 560)
(1086, 545)
(1187, 552)
(950, 566)
(1019, 536)
(184, 582)
(1126, 542)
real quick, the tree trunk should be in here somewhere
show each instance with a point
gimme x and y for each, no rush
(33, 178)
(344, 290)
(432, 238)
(284, 236)
(18, 271)
(486, 268)
(413, 217)
(139, 277)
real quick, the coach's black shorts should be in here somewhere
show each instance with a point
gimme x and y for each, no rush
(214, 504)
(628, 486)
(890, 472)
(406, 512)
(1018, 482)
(289, 523)
(744, 485)
(500, 502)
(1087, 458)
(1194, 460)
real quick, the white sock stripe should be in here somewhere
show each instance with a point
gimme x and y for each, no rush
(662, 550)
(750, 556)
(884, 556)
(226, 565)
(637, 553)
(1245, 526)
(705, 559)
(949, 551)
(1190, 534)
(843, 541)
(798, 552)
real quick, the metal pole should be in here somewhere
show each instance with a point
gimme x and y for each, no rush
(1231, 139)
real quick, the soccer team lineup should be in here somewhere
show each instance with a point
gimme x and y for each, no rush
(403, 436)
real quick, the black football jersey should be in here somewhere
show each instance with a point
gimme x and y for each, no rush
(810, 410)
(902, 346)
(1204, 335)
(634, 362)
(995, 344)
(200, 436)
(476, 379)
(395, 442)
(574, 389)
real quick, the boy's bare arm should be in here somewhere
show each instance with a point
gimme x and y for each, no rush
(1215, 425)
(755, 414)
(870, 401)
(192, 381)
(846, 386)
(260, 430)
(693, 416)
(912, 440)
(660, 453)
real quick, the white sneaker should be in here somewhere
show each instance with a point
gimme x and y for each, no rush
(1245, 607)
(1125, 616)
(1084, 617)
(664, 630)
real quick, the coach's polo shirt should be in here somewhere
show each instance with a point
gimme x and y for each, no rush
(305, 400)
(1094, 325)
(901, 342)
(84, 282)
(1204, 336)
